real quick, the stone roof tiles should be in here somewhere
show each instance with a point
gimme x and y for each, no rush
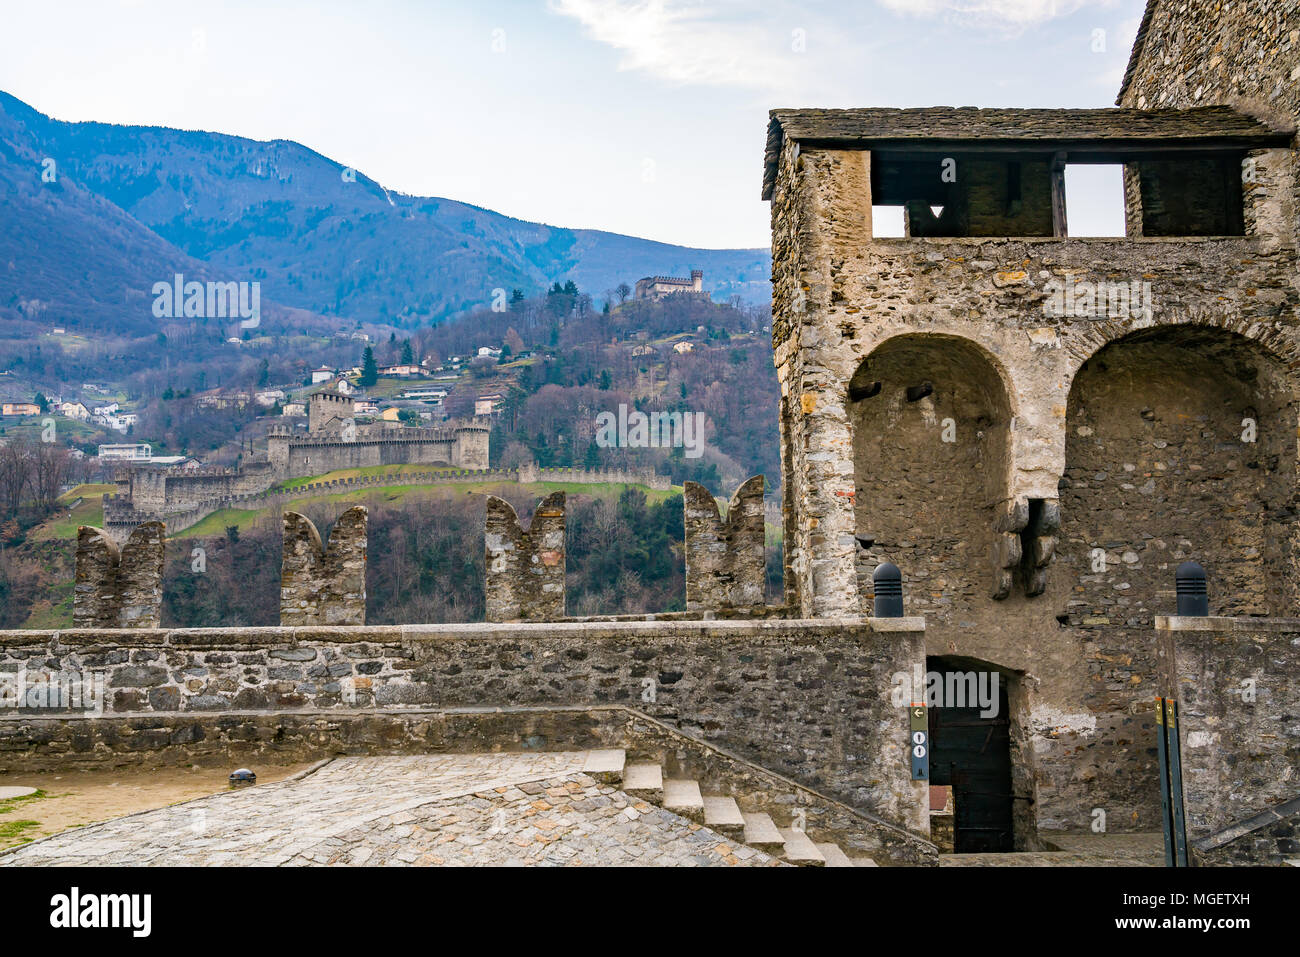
(861, 128)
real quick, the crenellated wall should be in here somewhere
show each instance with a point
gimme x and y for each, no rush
(119, 587)
(324, 583)
(725, 558)
(525, 569)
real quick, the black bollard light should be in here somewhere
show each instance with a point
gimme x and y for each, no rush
(242, 778)
(888, 583)
(1193, 594)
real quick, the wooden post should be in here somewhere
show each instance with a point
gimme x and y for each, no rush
(1059, 227)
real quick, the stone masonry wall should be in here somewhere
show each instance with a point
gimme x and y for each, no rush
(974, 318)
(525, 570)
(324, 585)
(808, 700)
(1245, 54)
(725, 558)
(119, 588)
(316, 454)
(1237, 681)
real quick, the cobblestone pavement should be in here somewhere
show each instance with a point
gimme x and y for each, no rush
(481, 809)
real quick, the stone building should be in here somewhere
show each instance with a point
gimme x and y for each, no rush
(328, 411)
(658, 287)
(1038, 428)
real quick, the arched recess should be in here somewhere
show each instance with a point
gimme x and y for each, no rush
(930, 419)
(1180, 444)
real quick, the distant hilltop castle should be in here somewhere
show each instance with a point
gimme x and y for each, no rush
(182, 497)
(657, 287)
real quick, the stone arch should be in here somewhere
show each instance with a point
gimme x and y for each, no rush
(1158, 470)
(930, 421)
(1180, 443)
(1090, 338)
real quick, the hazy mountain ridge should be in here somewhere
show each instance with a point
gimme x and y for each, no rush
(318, 240)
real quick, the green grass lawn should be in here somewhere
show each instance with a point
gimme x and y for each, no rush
(215, 525)
(53, 612)
(63, 523)
(30, 427)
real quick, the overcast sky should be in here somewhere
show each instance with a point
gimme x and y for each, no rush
(644, 117)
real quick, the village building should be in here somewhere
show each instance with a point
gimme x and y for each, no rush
(140, 452)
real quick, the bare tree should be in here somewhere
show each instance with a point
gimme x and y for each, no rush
(16, 469)
(51, 468)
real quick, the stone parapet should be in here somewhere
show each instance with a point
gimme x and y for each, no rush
(119, 587)
(725, 558)
(324, 585)
(525, 569)
(1237, 682)
(809, 700)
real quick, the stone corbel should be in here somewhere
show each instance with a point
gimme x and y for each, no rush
(1042, 537)
(1007, 551)
(1024, 538)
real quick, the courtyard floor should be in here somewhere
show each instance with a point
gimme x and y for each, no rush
(478, 809)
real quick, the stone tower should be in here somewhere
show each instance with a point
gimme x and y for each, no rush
(1037, 428)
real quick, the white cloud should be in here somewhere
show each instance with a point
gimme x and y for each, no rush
(724, 43)
(1003, 14)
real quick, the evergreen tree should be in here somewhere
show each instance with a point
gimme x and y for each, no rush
(369, 368)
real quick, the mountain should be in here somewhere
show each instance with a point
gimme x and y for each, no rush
(132, 205)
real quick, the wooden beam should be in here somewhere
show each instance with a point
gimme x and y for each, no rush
(1060, 229)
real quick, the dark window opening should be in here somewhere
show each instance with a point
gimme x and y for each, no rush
(1084, 193)
(1187, 197)
(964, 195)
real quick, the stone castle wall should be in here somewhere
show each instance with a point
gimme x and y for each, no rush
(121, 514)
(808, 700)
(324, 583)
(1038, 476)
(118, 587)
(317, 454)
(1244, 55)
(525, 569)
(1237, 683)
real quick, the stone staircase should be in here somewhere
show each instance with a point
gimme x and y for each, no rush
(645, 781)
